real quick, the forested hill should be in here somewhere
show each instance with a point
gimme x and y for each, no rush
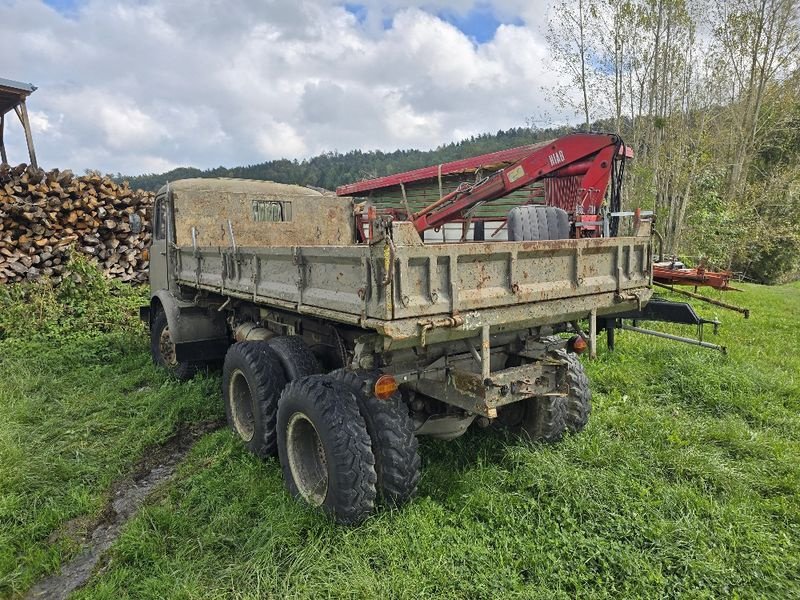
(333, 169)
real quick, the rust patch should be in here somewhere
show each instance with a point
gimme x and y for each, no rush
(468, 384)
(483, 277)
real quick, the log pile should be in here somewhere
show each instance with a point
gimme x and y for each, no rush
(45, 214)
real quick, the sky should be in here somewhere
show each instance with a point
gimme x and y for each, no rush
(140, 86)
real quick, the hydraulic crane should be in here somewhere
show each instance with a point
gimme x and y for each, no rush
(579, 168)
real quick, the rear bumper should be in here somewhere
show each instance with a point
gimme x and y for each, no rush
(465, 388)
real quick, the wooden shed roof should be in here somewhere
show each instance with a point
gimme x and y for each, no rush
(12, 93)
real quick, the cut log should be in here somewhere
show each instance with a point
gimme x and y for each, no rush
(45, 213)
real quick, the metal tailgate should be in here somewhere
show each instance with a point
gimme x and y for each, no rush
(452, 278)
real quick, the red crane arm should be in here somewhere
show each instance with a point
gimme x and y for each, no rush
(582, 154)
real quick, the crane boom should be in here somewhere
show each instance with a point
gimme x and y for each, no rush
(585, 155)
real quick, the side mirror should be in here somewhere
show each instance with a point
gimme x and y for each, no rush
(136, 224)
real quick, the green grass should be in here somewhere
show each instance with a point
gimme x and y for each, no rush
(685, 483)
(79, 407)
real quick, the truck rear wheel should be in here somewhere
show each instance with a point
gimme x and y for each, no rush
(296, 357)
(162, 349)
(252, 380)
(325, 449)
(579, 399)
(538, 419)
(391, 431)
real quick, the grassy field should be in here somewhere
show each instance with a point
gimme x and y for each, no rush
(685, 483)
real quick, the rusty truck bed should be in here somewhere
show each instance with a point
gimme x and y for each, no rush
(507, 285)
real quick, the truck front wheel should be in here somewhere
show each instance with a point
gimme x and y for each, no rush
(162, 349)
(252, 380)
(325, 449)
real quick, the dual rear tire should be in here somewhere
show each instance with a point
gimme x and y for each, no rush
(325, 449)
(341, 449)
(252, 380)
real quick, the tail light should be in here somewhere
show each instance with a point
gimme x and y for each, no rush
(385, 386)
(577, 344)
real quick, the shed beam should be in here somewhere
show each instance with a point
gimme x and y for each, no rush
(3, 156)
(22, 113)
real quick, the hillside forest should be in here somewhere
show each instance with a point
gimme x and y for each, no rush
(707, 92)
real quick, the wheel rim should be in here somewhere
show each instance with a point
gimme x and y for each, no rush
(307, 460)
(241, 401)
(167, 348)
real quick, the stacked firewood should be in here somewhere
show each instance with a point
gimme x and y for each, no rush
(46, 215)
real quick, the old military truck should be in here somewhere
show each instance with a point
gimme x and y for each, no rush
(345, 335)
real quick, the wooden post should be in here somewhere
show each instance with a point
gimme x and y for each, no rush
(593, 334)
(22, 113)
(3, 156)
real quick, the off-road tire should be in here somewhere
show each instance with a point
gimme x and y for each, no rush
(544, 419)
(253, 368)
(579, 399)
(325, 423)
(163, 357)
(296, 357)
(537, 419)
(391, 431)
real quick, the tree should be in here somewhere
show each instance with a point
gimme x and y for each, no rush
(567, 38)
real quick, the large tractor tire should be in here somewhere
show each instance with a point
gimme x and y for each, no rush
(252, 380)
(391, 431)
(296, 357)
(325, 449)
(162, 349)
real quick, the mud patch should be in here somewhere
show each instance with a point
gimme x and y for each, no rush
(127, 495)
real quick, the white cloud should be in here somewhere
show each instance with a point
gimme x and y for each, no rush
(145, 85)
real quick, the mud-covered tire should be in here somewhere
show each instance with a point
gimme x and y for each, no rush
(579, 399)
(252, 381)
(162, 349)
(539, 419)
(391, 431)
(325, 449)
(296, 357)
